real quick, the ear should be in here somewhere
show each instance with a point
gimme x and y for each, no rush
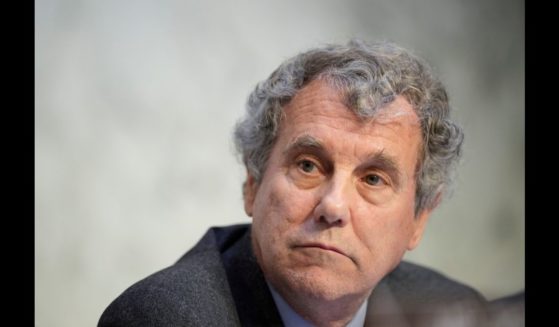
(420, 223)
(249, 193)
(419, 227)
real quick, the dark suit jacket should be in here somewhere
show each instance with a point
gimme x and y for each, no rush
(219, 283)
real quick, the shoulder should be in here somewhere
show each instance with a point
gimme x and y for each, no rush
(429, 285)
(427, 298)
(192, 292)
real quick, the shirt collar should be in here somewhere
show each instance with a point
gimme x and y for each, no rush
(291, 318)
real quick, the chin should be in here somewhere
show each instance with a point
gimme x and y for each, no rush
(321, 285)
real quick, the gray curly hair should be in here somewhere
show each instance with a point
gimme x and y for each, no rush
(369, 76)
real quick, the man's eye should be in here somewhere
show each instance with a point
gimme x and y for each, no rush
(307, 166)
(373, 180)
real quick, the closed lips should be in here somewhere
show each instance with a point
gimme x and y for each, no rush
(324, 247)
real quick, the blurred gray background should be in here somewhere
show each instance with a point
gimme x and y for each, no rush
(135, 105)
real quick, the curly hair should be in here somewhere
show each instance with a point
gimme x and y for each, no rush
(369, 76)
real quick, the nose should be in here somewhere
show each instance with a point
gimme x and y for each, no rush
(333, 208)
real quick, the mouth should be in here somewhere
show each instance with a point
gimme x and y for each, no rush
(322, 247)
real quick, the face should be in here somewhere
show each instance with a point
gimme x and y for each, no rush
(334, 210)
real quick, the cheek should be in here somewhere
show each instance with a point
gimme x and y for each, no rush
(279, 209)
(386, 233)
(280, 202)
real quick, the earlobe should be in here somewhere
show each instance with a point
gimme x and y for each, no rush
(249, 193)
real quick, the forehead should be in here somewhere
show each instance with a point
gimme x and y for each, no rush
(320, 108)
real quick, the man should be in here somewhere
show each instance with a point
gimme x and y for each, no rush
(348, 150)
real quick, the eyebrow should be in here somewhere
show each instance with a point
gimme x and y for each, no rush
(304, 141)
(308, 143)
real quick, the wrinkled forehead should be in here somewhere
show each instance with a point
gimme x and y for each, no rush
(320, 93)
(397, 111)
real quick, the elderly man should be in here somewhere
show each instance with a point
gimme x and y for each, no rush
(348, 150)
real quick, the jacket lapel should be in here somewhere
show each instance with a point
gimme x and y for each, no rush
(255, 305)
